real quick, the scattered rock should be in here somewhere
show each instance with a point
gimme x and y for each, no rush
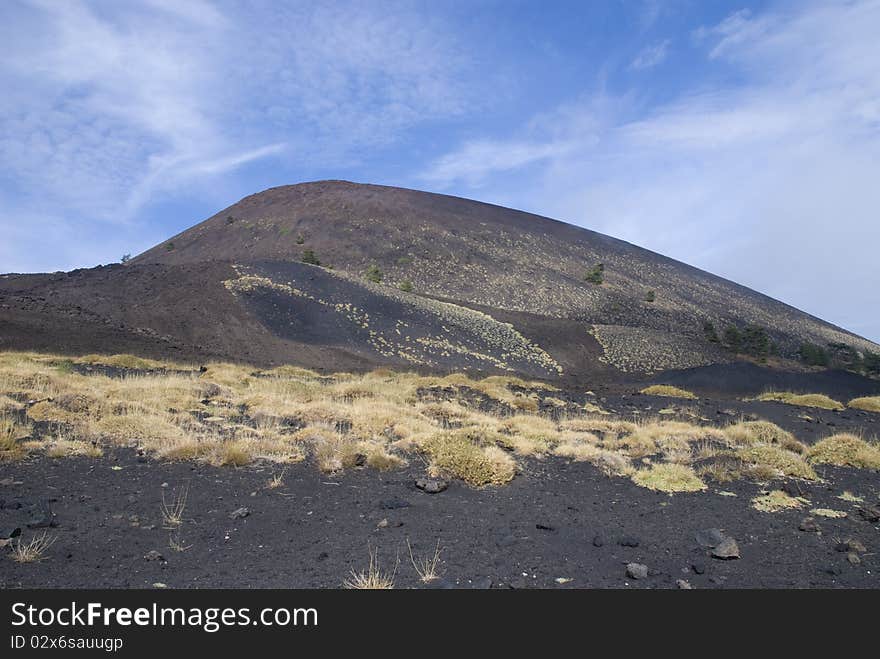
(809, 525)
(684, 584)
(159, 584)
(153, 555)
(726, 550)
(431, 485)
(383, 524)
(869, 513)
(628, 541)
(698, 567)
(851, 545)
(563, 580)
(239, 513)
(636, 571)
(10, 532)
(483, 583)
(41, 515)
(394, 503)
(794, 489)
(598, 541)
(853, 558)
(541, 526)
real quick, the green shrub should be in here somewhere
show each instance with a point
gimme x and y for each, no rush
(596, 275)
(169, 246)
(871, 362)
(813, 355)
(650, 296)
(373, 273)
(310, 258)
(755, 342)
(732, 338)
(710, 333)
(406, 286)
(300, 239)
(404, 260)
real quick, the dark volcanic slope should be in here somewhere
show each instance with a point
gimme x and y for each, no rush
(493, 289)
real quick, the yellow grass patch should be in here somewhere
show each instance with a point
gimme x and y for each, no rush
(804, 400)
(669, 478)
(845, 449)
(669, 391)
(786, 463)
(776, 501)
(867, 403)
(455, 454)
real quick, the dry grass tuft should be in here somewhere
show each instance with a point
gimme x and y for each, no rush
(669, 478)
(845, 450)
(427, 568)
(172, 509)
(804, 400)
(776, 501)
(455, 454)
(373, 578)
(11, 432)
(775, 459)
(34, 550)
(746, 433)
(867, 403)
(668, 391)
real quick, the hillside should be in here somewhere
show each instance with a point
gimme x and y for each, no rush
(406, 279)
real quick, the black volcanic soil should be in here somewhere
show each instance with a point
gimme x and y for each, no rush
(556, 520)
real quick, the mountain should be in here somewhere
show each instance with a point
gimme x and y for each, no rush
(406, 279)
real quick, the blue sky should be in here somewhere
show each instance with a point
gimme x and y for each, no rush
(740, 137)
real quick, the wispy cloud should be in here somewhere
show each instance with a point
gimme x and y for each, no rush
(651, 56)
(111, 106)
(770, 181)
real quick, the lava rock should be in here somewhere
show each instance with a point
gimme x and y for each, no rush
(870, 513)
(542, 526)
(239, 513)
(698, 567)
(809, 525)
(598, 541)
(636, 571)
(684, 584)
(431, 485)
(41, 515)
(10, 532)
(853, 558)
(153, 556)
(628, 541)
(726, 550)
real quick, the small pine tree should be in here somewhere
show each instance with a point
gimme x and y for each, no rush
(373, 273)
(300, 239)
(169, 246)
(710, 333)
(125, 258)
(596, 275)
(733, 338)
(310, 258)
(650, 296)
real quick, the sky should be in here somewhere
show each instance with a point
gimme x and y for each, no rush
(740, 137)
